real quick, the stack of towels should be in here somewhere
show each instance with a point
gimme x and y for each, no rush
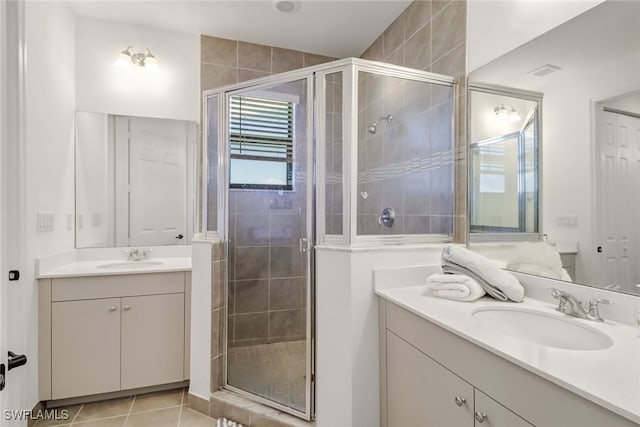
(469, 276)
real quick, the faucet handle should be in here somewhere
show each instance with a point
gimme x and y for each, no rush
(594, 308)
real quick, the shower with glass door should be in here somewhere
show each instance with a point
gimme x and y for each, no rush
(288, 159)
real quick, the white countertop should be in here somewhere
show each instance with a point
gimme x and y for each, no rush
(92, 268)
(609, 377)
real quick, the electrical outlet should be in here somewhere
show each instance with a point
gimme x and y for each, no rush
(45, 222)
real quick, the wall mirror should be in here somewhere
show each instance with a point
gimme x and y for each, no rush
(588, 70)
(135, 180)
(503, 164)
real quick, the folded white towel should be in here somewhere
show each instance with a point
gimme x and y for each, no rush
(498, 283)
(455, 286)
(540, 259)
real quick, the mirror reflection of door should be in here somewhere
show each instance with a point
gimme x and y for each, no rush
(618, 201)
(157, 180)
(504, 163)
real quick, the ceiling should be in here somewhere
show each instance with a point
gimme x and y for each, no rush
(598, 37)
(327, 27)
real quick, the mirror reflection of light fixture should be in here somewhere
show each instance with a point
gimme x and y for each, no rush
(130, 56)
(502, 113)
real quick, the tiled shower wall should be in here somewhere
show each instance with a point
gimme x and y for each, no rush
(430, 36)
(333, 154)
(267, 271)
(407, 164)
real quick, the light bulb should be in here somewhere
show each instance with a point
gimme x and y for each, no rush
(501, 112)
(123, 61)
(514, 116)
(151, 64)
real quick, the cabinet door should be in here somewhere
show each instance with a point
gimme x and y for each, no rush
(422, 392)
(152, 340)
(495, 415)
(85, 347)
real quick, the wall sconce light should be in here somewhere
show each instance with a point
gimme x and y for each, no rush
(502, 113)
(130, 56)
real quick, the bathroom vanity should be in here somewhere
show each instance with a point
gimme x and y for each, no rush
(440, 366)
(109, 327)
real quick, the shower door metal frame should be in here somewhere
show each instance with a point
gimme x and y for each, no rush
(223, 184)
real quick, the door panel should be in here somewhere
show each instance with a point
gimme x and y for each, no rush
(158, 150)
(421, 392)
(85, 347)
(497, 415)
(152, 340)
(269, 240)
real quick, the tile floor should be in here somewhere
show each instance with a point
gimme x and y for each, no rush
(274, 371)
(160, 409)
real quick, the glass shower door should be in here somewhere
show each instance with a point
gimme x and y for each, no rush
(269, 232)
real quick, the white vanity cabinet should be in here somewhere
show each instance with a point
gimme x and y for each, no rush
(421, 392)
(433, 377)
(106, 334)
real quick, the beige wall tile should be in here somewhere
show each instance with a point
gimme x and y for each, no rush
(448, 29)
(393, 36)
(214, 76)
(285, 60)
(375, 51)
(416, 15)
(453, 63)
(417, 49)
(310, 59)
(198, 404)
(254, 57)
(244, 75)
(218, 51)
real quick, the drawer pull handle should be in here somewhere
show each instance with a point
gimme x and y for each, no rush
(127, 307)
(113, 308)
(460, 400)
(481, 417)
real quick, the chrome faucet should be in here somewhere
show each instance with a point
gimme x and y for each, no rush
(568, 304)
(136, 254)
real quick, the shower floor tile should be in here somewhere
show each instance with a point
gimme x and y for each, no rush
(275, 371)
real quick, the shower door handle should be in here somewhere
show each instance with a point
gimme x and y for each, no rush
(304, 244)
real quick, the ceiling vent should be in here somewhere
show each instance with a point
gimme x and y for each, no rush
(545, 70)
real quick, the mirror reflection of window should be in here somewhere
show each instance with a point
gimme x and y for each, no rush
(504, 161)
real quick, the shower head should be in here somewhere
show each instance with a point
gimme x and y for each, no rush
(374, 127)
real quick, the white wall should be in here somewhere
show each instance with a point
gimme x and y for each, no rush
(347, 362)
(50, 106)
(568, 134)
(200, 353)
(172, 93)
(494, 27)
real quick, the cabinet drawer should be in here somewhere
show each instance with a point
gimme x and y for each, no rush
(80, 288)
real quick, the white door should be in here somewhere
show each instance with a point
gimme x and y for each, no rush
(619, 170)
(157, 179)
(12, 334)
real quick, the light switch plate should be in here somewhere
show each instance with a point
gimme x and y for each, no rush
(45, 222)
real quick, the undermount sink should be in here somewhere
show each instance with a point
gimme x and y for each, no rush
(541, 328)
(129, 264)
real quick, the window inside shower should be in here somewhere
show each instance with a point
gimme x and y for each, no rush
(261, 143)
